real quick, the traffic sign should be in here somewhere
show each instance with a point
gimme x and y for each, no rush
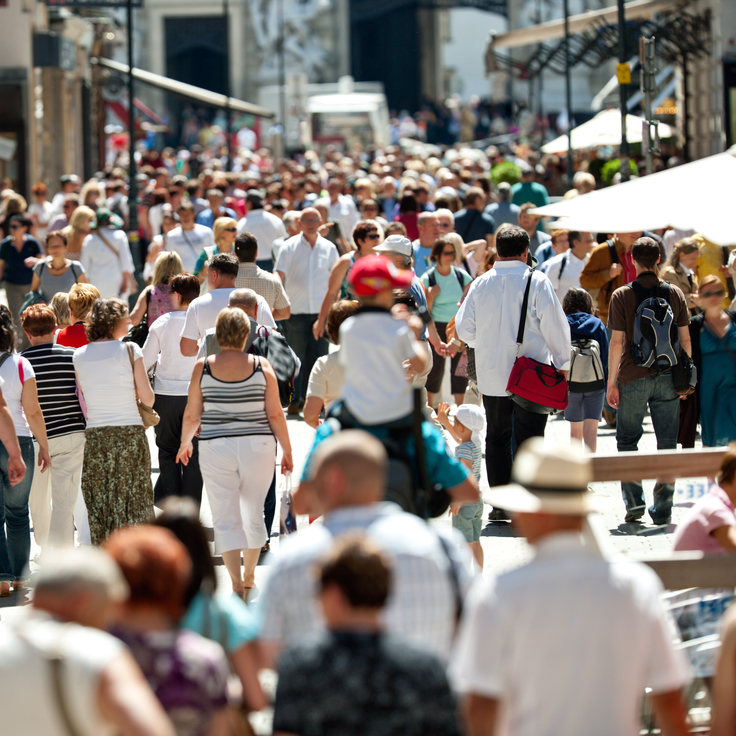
(623, 73)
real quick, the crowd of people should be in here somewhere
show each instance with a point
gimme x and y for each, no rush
(334, 290)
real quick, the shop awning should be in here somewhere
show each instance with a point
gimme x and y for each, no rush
(188, 90)
(555, 29)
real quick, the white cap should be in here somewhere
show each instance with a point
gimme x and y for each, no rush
(395, 244)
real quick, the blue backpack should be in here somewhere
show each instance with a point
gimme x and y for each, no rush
(656, 343)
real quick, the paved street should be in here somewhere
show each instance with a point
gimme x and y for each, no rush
(502, 549)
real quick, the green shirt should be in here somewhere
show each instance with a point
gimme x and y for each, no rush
(445, 304)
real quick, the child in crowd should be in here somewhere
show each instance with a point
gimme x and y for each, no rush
(378, 347)
(465, 429)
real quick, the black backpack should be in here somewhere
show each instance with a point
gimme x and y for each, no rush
(272, 346)
(656, 342)
(432, 276)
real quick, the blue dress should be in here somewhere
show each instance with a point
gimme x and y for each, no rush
(717, 381)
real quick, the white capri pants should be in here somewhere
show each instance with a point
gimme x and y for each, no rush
(54, 492)
(237, 473)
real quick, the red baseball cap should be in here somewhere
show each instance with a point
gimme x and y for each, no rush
(373, 274)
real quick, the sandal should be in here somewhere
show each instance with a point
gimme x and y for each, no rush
(19, 584)
(4, 588)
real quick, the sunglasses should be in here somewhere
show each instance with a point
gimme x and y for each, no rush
(708, 294)
(448, 253)
(444, 224)
(231, 230)
(372, 236)
(16, 227)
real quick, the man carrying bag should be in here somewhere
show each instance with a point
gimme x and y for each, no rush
(489, 321)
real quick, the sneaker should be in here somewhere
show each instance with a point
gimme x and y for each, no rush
(633, 516)
(498, 515)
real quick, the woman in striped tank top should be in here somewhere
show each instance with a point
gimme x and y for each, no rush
(235, 398)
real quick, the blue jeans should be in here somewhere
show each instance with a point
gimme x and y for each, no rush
(301, 340)
(657, 392)
(15, 526)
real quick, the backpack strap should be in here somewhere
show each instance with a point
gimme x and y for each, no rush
(565, 261)
(432, 277)
(612, 251)
(459, 276)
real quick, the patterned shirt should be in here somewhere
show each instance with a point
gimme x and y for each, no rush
(268, 285)
(56, 383)
(187, 673)
(470, 451)
(362, 683)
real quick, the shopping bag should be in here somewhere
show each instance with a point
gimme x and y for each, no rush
(287, 517)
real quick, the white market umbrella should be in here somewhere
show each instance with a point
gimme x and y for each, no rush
(603, 130)
(697, 196)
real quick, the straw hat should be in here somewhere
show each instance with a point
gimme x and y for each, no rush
(547, 479)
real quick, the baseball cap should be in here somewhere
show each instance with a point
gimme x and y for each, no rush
(395, 244)
(373, 274)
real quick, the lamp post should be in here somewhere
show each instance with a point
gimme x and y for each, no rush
(133, 184)
(226, 13)
(568, 95)
(624, 78)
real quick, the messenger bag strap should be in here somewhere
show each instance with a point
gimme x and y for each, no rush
(108, 244)
(524, 307)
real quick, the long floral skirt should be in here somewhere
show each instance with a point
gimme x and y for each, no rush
(116, 479)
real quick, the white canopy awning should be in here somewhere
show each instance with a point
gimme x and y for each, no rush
(696, 196)
(189, 90)
(604, 130)
(555, 29)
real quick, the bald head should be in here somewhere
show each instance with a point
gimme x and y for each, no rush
(349, 469)
(245, 299)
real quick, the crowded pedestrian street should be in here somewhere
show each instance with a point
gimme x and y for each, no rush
(367, 369)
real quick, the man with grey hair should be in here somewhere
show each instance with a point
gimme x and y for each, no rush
(60, 673)
(429, 231)
(504, 212)
(292, 223)
(245, 299)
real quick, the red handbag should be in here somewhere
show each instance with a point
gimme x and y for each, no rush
(535, 386)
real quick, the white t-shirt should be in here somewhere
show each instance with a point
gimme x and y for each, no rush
(326, 379)
(43, 212)
(105, 269)
(189, 244)
(173, 370)
(27, 699)
(106, 379)
(373, 348)
(15, 371)
(570, 273)
(202, 313)
(266, 228)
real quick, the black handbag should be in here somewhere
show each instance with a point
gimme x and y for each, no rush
(139, 333)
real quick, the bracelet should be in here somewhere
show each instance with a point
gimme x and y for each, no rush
(455, 341)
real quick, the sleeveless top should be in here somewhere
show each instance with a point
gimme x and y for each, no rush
(346, 290)
(234, 408)
(159, 302)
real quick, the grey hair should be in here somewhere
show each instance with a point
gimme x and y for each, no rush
(290, 218)
(504, 191)
(406, 261)
(243, 298)
(84, 569)
(446, 213)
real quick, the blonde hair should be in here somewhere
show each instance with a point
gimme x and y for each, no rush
(81, 298)
(231, 328)
(220, 224)
(15, 204)
(167, 265)
(459, 245)
(73, 231)
(91, 185)
(60, 306)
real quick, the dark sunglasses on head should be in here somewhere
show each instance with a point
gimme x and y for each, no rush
(231, 230)
(709, 294)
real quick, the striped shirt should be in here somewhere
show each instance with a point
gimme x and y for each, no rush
(234, 408)
(56, 383)
(470, 451)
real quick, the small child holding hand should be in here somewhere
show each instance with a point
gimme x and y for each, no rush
(465, 429)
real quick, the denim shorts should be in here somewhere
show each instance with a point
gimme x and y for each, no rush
(469, 521)
(585, 406)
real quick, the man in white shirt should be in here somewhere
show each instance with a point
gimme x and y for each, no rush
(107, 260)
(202, 312)
(342, 209)
(59, 656)
(568, 643)
(188, 239)
(564, 269)
(304, 266)
(488, 320)
(347, 475)
(266, 227)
